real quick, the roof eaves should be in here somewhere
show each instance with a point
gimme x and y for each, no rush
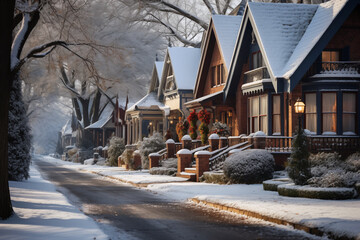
(202, 58)
(321, 44)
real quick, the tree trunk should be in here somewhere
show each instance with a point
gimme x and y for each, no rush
(6, 22)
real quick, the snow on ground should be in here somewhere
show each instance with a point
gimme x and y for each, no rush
(341, 217)
(136, 177)
(44, 213)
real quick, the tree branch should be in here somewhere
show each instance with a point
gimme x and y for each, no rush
(209, 6)
(173, 32)
(226, 6)
(182, 12)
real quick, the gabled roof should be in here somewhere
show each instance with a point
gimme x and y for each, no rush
(290, 37)
(184, 62)
(150, 100)
(104, 118)
(156, 75)
(225, 29)
(66, 129)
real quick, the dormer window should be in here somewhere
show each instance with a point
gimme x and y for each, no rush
(217, 75)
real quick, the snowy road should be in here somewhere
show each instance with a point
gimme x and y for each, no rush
(125, 212)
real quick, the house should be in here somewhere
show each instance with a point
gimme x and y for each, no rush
(146, 116)
(104, 128)
(290, 51)
(171, 85)
(177, 83)
(67, 135)
(218, 48)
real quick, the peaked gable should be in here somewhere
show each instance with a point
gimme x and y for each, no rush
(184, 63)
(222, 31)
(155, 76)
(286, 34)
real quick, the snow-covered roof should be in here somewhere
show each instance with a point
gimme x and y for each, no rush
(280, 27)
(66, 129)
(206, 97)
(106, 115)
(146, 102)
(290, 37)
(185, 63)
(227, 28)
(324, 16)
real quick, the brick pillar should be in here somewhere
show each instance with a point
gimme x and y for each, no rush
(137, 160)
(214, 141)
(170, 148)
(202, 163)
(184, 159)
(154, 159)
(259, 140)
(223, 142)
(186, 142)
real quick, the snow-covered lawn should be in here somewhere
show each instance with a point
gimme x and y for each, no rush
(340, 217)
(44, 213)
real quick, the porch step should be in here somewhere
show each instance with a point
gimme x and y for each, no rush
(190, 176)
(193, 166)
(190, 170)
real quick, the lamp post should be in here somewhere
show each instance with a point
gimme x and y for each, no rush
(299, 109)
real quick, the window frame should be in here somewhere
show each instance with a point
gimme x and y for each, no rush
(322, 111)
(348, 113)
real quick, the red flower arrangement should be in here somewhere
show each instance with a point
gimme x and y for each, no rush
(204, 117)
(192, 119)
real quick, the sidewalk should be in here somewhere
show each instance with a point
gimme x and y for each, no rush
(43, 213)
(337, 218)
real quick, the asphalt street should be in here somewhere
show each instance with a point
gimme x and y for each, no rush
(134, 213)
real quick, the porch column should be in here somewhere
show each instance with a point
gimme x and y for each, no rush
(140, 129)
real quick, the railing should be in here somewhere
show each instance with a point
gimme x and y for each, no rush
(218, 157)
(344, 145)
(340, 66)
(278, 143)
(256, 74)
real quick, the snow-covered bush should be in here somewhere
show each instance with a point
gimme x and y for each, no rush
(214, 177)
(116, 148)
(353, 162)
(150, 145)
(19, 138)
(221, 129)
(328, 170)
(170, 163)
(163, 171)
(169, 167)
(127, 157)
(249, 166)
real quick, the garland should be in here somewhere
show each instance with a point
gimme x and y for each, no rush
(182, 128)
(192, 119)
(204, 117)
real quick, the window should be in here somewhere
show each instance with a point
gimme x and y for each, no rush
(310, 112)
(276, 115)
(328, 58)
(217, 75)
(258, 114)
(257, 60)
(329, 112)
(349, 112)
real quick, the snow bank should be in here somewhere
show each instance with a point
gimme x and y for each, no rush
(44, 213)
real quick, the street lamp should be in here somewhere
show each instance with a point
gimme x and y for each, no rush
(299, 109)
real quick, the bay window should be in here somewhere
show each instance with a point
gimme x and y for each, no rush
(276, 115)
(258, 114)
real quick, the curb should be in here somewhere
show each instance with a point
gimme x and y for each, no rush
(310, 230)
